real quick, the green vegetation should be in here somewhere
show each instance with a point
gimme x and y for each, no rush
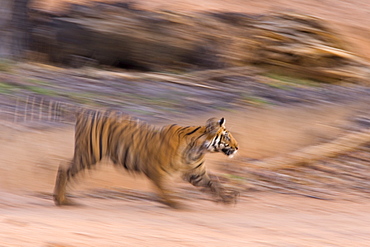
(41, 90)
(252, 100)
(140, 111)
(6, 66)
(6, 88)
(38, 82)
(289, 80)
(160, 101)
(233, 176)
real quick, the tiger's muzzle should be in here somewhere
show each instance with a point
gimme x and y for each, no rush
(229, 151)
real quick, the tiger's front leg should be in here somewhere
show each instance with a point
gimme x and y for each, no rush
(164, 192)
(199, 178)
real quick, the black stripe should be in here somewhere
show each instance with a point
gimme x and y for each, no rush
(125, 159)
(193, 131)
(199, 165)
(91, 139)
(173, 125)
(116, 132)
(81, 165)
(164, 169)
(169, 128)
(193, 177)
(198, 179)
(181, 130)
(112, 129)
(105, 121)
(99, 132)
(214, 142)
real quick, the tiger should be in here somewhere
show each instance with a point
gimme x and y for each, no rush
(156, 152)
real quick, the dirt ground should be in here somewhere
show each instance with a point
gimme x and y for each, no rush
(259, 220)
(116, 209)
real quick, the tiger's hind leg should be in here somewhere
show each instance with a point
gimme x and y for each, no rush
(59, 195)
(65, 176)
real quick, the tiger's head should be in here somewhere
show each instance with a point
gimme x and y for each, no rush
(220, 139)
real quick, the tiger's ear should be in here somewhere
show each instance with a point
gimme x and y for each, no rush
(212, 125)
(222, 122)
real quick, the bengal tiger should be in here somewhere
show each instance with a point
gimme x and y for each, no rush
(155, 152)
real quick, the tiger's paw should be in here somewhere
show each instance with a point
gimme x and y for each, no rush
(174, 204)
(229, 197)
(63, 201)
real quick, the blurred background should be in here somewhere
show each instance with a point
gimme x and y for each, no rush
(290, 77)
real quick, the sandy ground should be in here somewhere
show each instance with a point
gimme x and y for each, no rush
(133, 217)
(259, 220)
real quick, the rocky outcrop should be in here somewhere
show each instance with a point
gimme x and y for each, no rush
(305, 46)
(123, 36)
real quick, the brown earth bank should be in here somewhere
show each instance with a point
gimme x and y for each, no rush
(288, 43)
(350, 17)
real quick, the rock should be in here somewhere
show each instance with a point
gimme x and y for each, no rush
(124, 36)
(305, 46)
